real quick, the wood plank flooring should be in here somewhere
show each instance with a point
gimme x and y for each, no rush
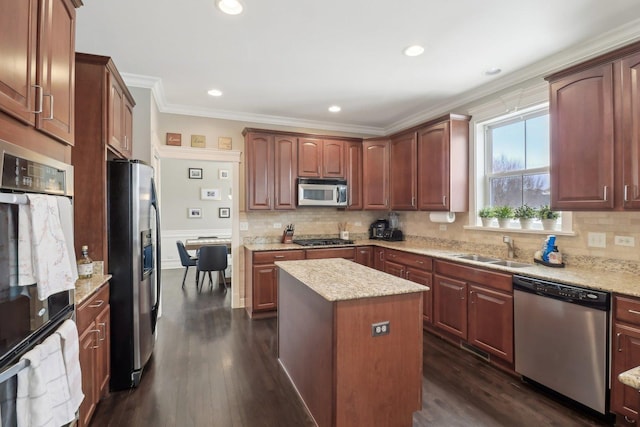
(212, 366)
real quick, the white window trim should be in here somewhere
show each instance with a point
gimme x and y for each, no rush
(499, 108)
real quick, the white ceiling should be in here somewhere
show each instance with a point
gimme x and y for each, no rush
(287, 61)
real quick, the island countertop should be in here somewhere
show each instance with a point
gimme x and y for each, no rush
(337, 279)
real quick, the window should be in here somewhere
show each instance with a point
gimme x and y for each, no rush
(517, 161)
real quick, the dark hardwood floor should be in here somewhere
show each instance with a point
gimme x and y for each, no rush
(212, 366)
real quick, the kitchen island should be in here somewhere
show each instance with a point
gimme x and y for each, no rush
(350, 340)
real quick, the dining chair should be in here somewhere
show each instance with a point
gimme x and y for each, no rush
(213, 258)
(187, 261)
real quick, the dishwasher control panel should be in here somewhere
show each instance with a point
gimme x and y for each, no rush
(569, 293)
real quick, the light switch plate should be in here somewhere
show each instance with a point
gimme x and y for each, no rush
(624, 241)
(597, 240)
(277, 225)
(244, 226)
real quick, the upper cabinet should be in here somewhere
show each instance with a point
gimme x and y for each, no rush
(443, 164)
(321, 158)
(375, 173)
(120, 116)
(403, 172)
(37, 64)
(595, 123)
(353, 164)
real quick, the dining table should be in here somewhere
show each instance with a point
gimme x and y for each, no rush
(195, 244)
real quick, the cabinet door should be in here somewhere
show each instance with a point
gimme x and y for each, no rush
(424, 278)
(364, 256)
(310, 158)
(582, 144)
(56, 69)
(265, 290)
(375, 173)
(353, 171)
(378, 258)
(625, 400)
(127, 139)
(403, 172)
(88, 343)
(491, 321)
(18, 36)
(103, 356)
(433, 170)
(450, 305)
(333, 164)
(630, 93)
(116, 118)
(260, 171)
(394, 269)
(286, 153)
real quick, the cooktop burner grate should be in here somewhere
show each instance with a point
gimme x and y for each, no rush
(322, 242)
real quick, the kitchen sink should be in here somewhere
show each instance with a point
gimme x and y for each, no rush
(478, 258)
(512, 264)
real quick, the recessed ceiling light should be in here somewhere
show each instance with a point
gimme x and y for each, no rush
(414, 50)
(230, 7)
(492, 71)
(215, 92)
(335, 108)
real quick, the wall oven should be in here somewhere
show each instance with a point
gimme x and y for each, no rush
(25, 320)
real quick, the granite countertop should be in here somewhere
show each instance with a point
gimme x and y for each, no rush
(337, 279)
(631, 378)
(623, 283)
(86, 287)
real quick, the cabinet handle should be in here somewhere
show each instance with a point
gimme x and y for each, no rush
(96, 331)
(420, 262)
(381, 256)
(629, 420)
(605, 193)
(98, 304)
(461, 294)
(40, 100)
(103, 331)
(386, 201)
(618, 342)
(633, 311)
(50, 106)
(413, 201)
(626, 192)
(444, 200)
(126, 141)
(268, 201)
(471, 297)
(278, 256)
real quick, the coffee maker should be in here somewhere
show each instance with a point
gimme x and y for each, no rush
(393, 233)
(377, 228)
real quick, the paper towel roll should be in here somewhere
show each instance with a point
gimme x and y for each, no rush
(448, 217)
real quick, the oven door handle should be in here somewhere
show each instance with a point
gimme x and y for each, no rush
(14, 199)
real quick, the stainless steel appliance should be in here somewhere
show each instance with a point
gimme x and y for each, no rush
(134, 253)
(322, 192)
(322, 242)
(377, 228)
(561, 339)
(24, 320)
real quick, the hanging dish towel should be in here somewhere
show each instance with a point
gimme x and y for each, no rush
(43, 255)
(43, 392)
(71, 354)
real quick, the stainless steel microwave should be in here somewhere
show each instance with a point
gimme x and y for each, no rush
(322, 192)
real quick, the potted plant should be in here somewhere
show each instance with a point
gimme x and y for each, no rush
(504, 214)
(486, 215)
(547, 217)
(526, 214)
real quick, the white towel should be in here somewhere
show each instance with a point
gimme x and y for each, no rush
(71, 355)
(43, 256)
(43, 392)
(65, 211)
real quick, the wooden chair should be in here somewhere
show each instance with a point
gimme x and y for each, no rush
(187, 261)
(213, 258)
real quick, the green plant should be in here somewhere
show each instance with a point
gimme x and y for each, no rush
(486, 212)
(525, 212)
(503, 212)
(545, 212)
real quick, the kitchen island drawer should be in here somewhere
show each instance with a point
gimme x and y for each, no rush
(269, 257)
(89, 309)
(627, 309)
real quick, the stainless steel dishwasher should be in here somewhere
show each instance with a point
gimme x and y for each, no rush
(561, 339)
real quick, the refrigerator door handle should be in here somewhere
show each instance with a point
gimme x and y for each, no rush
(154, 309)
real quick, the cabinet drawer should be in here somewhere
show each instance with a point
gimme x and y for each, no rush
(89, 309)
(413, 260)
(627, 309)
(269, 257)
(347, 253)
(477, 275)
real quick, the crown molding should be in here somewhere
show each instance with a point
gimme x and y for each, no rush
(190, 153)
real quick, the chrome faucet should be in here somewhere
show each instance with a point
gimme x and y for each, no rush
(511, 253)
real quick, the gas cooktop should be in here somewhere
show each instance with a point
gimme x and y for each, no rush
(322, 242)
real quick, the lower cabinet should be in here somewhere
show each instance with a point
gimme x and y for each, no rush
(364, 255)
(93, 320)
(625, 400)
(475, 305)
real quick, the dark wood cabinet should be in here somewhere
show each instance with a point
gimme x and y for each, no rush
(403, 171)
(353, 173)
(378, 258)
(364, 255)
(416, 268)
(93, 321)
(450, 305)
(271, 171)
(625, 352)
(96, 78)
(491, 321)
(630, 130)
(321, 158)
(346, 253)
(443, 165)
(375, 174)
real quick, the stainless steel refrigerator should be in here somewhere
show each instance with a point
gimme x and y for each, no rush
(134, 254)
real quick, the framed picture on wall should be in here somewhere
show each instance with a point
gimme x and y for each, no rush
(194, 213)
(195, 173)
(224, 212)
(210, 194)
(223, 174)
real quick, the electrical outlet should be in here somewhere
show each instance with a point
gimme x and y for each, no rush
(358, 224)
(244, 226)
(624, 241)
(597, 240)
(506, 239)
(380, 328)
(443, 227)
(277, 225)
